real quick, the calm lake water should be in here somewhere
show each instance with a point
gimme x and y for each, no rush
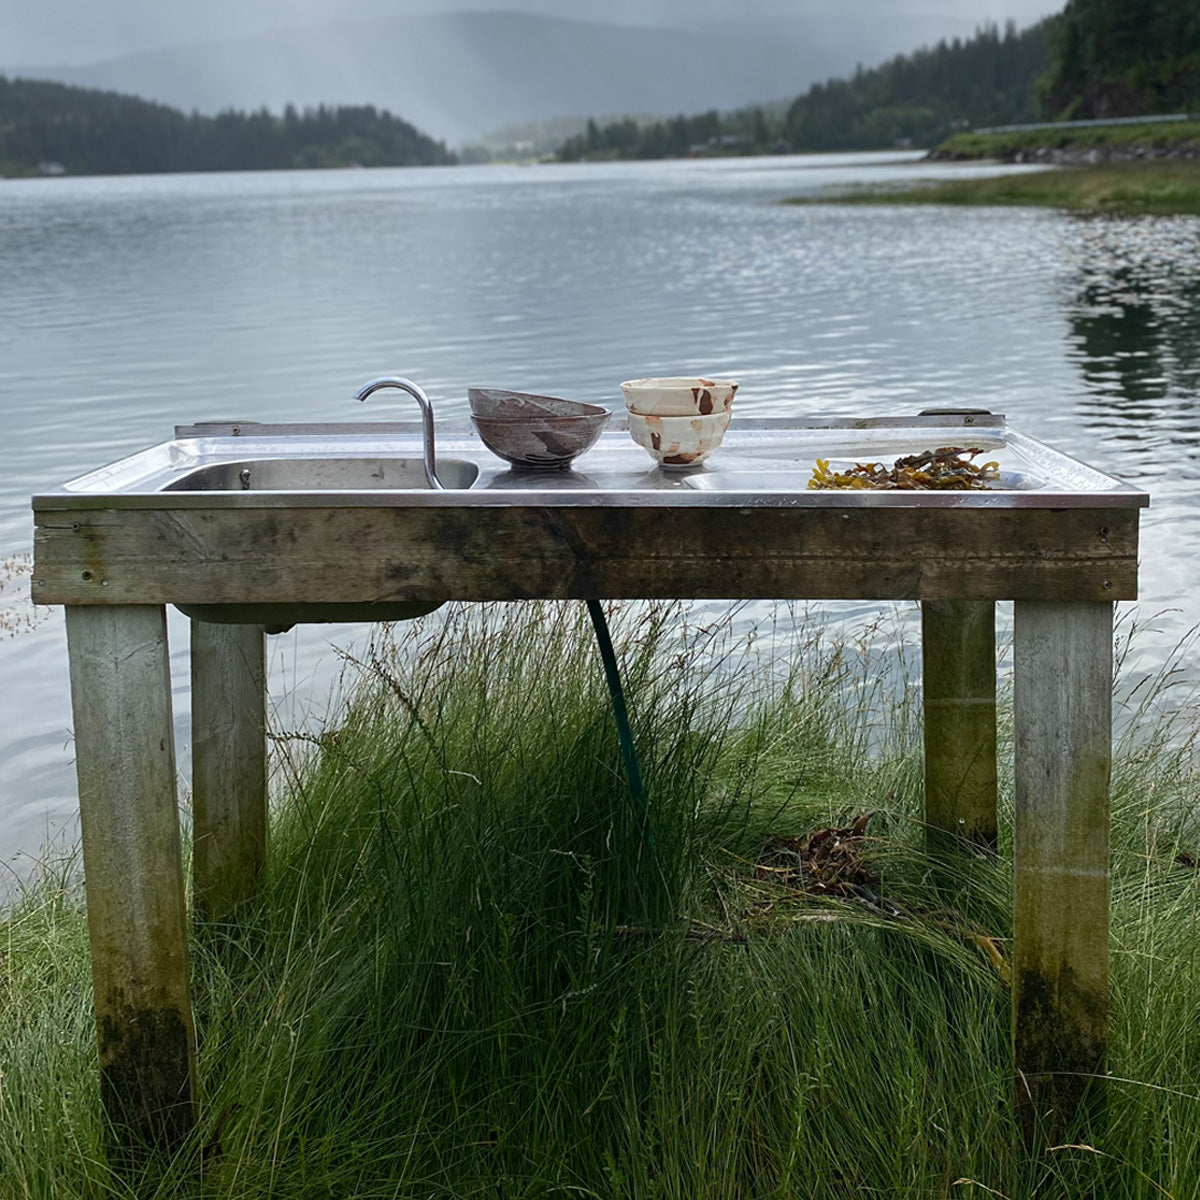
(128, 305)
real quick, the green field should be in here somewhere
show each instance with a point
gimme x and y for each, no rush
(1163, 187)
(477, 971)
(1167, 136)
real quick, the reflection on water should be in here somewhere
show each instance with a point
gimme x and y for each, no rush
(1135, 326)
(1132, 304)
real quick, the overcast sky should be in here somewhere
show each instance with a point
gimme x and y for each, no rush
(77, 31)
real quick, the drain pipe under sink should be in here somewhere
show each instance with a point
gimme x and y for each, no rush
(633, 773)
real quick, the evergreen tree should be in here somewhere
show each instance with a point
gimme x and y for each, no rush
(1125, 57)
(916, 99)
(921, 98)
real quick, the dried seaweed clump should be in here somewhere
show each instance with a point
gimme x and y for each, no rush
(952, 468)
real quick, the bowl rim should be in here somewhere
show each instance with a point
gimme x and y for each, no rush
(533, 400)
(677, 383)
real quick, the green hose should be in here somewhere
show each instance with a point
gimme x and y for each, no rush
(633, 773)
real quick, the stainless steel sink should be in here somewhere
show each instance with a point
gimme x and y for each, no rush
(764, 461)
(248, 482)
(322, 474)
(317, 474)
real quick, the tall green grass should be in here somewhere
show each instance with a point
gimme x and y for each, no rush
(476, 971)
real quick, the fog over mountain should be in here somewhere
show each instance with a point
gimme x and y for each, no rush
(458, 76)
(79, 31)
(458, 68)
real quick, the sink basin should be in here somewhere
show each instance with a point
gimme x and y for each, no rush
(322, 474)
(316, 474)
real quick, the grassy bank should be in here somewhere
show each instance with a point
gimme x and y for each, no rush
(1173, 137)
(477, 971)
(1128, 188)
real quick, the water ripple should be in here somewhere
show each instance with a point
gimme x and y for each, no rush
(130, 305)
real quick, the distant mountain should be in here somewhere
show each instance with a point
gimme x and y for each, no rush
(847, 31)
(462, 74)
(856, 31)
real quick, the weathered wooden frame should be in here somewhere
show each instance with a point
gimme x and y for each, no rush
(229, 766)
(958, 662)
(327, 554)
(114, 569)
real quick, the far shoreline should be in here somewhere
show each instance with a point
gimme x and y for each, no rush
(1161, 187)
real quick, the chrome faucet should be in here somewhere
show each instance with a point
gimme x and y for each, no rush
(419, 396)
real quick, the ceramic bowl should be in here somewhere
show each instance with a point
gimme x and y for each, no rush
(675, 442)
(539, 441)
(679, 396)
(498, 402)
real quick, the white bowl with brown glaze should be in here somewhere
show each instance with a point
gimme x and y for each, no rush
(678, 442)
(679, 396)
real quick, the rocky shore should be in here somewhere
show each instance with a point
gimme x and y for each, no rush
(1094, 146)
(1075, 155)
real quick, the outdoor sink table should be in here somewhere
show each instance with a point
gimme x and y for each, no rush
(356, 533)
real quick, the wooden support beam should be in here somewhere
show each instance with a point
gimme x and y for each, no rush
(958, 641)
(1063, 666)
(125, 761)
(325, 554)
(229, 766)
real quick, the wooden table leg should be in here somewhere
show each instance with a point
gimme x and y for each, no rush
(229, 766)
(958, 641)
(1063, 666)
(137, 926)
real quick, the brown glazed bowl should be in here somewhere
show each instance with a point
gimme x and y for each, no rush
(539, 441)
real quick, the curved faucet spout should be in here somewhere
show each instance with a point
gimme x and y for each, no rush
(419, 396)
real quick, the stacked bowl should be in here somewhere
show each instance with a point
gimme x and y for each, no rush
(678, 420)
(529, 431)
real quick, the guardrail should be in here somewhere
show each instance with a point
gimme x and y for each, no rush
(1157, 119)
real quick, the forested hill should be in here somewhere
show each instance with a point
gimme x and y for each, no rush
(922, 97)
(916, 99)
(89, 132)
(1119, 58)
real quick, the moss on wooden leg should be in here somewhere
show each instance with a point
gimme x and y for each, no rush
(1061, 1026)
(145, 1079)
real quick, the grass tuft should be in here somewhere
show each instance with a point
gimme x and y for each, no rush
(473, 971)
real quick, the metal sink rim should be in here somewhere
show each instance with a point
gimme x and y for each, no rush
(615, 473)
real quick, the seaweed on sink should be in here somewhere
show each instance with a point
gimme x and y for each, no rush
(950, 468)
